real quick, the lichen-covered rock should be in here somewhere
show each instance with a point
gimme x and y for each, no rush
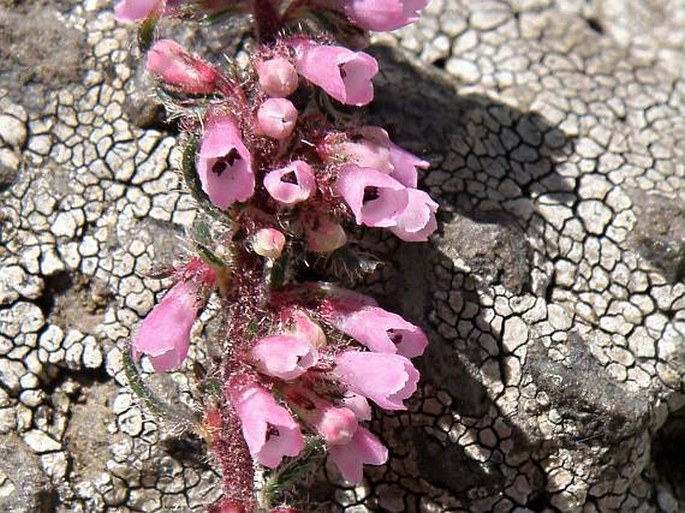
(554, 293)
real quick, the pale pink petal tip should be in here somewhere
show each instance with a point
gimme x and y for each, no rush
(417, 221)
(383, 331)
(284, 356)
(130, 11)
(387, 379)
(364, 448)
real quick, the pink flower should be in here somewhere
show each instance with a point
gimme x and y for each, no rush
(370, 146)
(417, 221)
(387, 379)
(336, 424)
(164, 335)
(375, 198)
(269, 430)
(324, 235)
(342, 73)
(364, 448)
(284, 356)
(277, 77)
(176, 66)
(292, 184)
(224, 163)
(268, 242)
(130, 11)
(276, 118)
(383, 331)
(383, 14)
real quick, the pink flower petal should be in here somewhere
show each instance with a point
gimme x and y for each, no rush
(164, 335)
(387, 379)
(342, 73)
(130, 11)
(383, 331)
(364, 448)
(269, 430)
(268, 242)
(358, 404)
(224, 163)
(374, 198)
(417, 221)
(383, 15)
(284, 356)
(291, 184)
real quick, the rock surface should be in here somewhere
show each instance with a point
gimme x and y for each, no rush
(554, 294)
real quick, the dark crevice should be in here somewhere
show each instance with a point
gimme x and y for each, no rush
(55, 284)
(595, 25)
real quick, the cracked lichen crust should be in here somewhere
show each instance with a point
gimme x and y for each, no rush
(554, 294)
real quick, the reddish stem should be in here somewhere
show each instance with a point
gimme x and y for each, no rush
(267, 20)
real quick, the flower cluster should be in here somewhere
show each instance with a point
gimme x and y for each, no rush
(268, 155)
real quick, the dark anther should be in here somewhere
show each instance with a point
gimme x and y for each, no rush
(232, 156)
(370, 194)
(343, 73)
(394, 336)
(289, 177)
(219, 167)
(271, 431)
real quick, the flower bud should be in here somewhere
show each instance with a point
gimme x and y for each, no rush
(277, 77)
(276, 118)
(176, 66)
(324, 236)
(268, 242)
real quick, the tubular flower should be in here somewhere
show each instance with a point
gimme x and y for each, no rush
(417, 221)
(383, 15)
(284, 356)
(364, 448)
(375, 198)
(342, 73)
(178, 67)
(371, 147)
(277, 77)
(292, 184)
(382, 331)
(336, 424)
(387, 379)
(224, 163)
(164, 335)
(269, 430)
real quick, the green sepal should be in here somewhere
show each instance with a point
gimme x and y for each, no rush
(151, 400)
(146, 33)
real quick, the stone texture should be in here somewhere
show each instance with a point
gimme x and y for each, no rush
(553, 294)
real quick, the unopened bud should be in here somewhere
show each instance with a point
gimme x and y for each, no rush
(276, 118)
(178, 67)
(277, 77)
(268, 242)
